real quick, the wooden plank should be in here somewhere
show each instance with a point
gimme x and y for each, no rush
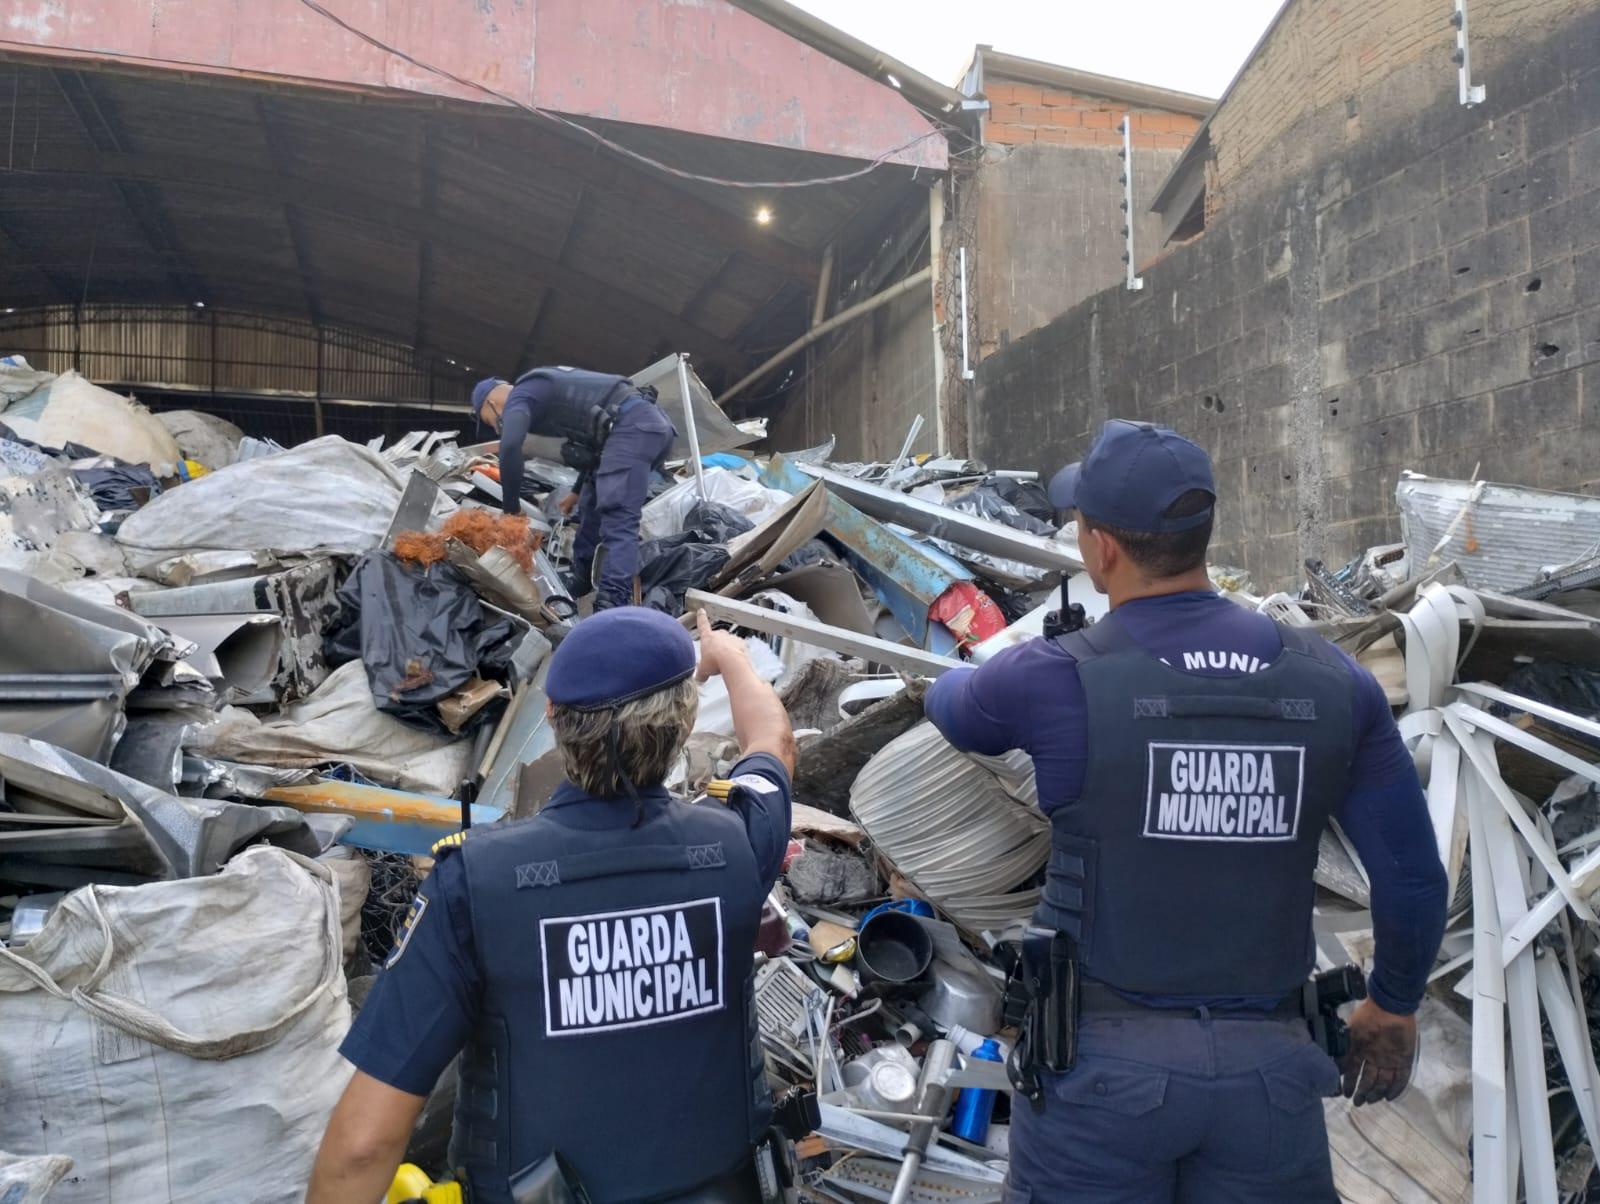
(759, 618)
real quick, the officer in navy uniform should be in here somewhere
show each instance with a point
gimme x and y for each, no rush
(612, 432)
(593, 964)
(1189, 753)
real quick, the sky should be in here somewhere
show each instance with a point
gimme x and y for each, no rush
(1189, 45)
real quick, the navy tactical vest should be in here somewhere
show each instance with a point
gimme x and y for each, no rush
(578, 402)
(617, 1024)
(1184, 867)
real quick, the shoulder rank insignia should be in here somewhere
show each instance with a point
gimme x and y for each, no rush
(448, 844)
(720, 789)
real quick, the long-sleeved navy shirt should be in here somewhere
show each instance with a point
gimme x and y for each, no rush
(1029, 697)
(516, 421)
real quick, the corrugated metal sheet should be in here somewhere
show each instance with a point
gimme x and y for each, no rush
(219, 351)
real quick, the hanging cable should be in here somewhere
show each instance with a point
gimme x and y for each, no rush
(600, 138)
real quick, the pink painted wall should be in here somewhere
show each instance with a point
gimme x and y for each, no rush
(701, 66)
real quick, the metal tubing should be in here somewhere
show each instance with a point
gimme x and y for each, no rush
(932, 1098)
(839, 319)
(1135, 281)
(688, 418)
(966, 361)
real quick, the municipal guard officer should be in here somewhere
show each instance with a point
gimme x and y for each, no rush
(591, 964)
(613, 434)
(1189, 753)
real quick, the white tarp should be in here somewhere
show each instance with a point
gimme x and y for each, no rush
(324, 496)
(212, 441)
(81, 412)
(179, 1041)
(29, 1180)
(339, 723)
(19, 379)
(666, 513)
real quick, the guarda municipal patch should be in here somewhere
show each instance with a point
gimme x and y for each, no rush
(630, 969)
(1224, 791)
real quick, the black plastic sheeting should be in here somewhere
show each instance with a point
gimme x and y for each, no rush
(422, 635)
(715, 523)
(675, 564)
(1573, 688)
(119, 486)
(986, 501)
(1027, 496)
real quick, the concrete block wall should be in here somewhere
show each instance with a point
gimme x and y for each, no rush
(1422, 293)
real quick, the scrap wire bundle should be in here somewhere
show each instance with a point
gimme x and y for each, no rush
(480, 530)
(394, 885)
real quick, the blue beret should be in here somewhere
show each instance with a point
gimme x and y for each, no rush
(617, 656)
(481, 391)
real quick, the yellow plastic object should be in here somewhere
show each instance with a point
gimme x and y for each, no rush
(195, 468)
(412, 1183)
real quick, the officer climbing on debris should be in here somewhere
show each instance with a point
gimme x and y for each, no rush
(592, 965)
(1189, 754)
(613, 434)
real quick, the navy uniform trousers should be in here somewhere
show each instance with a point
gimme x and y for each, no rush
(613, 497)
(1186, 1109)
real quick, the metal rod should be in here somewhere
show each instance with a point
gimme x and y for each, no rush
(1471, 93)
(819, 311)
(688, 418)
(905, 448)
(1135, 281)
(966, 362)
(839, 319)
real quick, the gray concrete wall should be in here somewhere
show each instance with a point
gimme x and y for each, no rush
(866, 384)
(1420, 290)
(1049, 231)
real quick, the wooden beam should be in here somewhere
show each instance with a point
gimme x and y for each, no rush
(359, 205)
(103, 128)
(899, 657)
(427, 193)
(530, 345)
(282, 157)
(691, 310)
(604, 169)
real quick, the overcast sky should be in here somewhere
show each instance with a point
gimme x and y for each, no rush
(1189, 45)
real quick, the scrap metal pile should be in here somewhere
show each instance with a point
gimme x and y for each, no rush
(335, 650)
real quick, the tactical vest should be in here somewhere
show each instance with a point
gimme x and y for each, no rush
(1184, 868)
(581, 404)
(617, 1023)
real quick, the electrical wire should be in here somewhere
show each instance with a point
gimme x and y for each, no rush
(600, 138)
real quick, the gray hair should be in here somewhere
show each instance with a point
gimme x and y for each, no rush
(651, 732)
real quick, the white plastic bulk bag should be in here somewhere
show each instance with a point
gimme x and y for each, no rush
(179, 1040)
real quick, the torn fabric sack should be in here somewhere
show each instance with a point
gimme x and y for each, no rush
(326, 496)
(339, 724)
(180, 1038)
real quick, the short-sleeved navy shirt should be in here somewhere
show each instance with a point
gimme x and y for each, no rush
(422, 1005)
(1029, 697)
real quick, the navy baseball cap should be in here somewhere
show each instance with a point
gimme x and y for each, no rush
(481, 391)
(1132, 474)
(617, 656)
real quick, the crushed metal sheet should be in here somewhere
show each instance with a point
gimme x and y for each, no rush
(1503, 537)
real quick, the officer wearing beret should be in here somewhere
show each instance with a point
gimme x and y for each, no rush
(1189, 753)
(613, 434)
(592, 964)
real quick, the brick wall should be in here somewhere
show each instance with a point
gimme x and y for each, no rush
(1422, 291)
(1022, 113)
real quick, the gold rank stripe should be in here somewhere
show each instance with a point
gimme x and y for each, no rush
(453, 841)
(719, 789)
